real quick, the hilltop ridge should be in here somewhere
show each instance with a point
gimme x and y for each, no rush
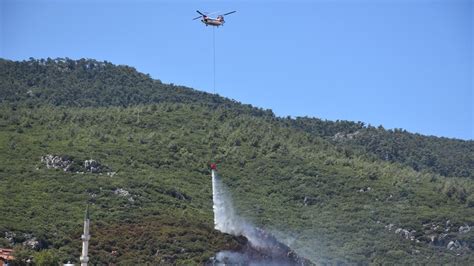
(91, 83)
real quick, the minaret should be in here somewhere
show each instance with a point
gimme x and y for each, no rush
(85, 239)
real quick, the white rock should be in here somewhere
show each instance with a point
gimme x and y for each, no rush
(453, 245)
(121, 192)
(53, 161)
(450, 245)
(464, 229)
(111, 174)
(389, 227)
(92, 166)
(31, 243)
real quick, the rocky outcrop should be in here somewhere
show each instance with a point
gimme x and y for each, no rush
(57, 162)
(111, 174)
(68, 164)
(346, 136)
(10, 237)
(93, 166)
(121, 192)
(464, 229)
(364, 189)
(407, 234)
(124, 193)
(32, 243)
(453, 245)
(437, 234)
(25, 239)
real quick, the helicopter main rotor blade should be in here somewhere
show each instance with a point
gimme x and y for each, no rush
(212, 13)
(228, 13)
(197, 17)
(199, 12)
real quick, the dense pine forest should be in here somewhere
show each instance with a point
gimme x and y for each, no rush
(137, 150)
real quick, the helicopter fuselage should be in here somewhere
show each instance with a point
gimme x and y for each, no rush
(212, 22)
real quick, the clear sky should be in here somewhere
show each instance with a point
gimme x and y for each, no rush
(400, 63)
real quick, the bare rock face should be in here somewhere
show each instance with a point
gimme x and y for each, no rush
(10, 237)
(452, 245)
(57, 162)
(32, 243)
(439, 235)
(124, 193)
(26, 239)
(407, 234)
(68, 164)
(346, 136)
(464, 229)
(92, 166)
(121, 192)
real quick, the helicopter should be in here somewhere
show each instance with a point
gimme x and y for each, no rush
(218, 21)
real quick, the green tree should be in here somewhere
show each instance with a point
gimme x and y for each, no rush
(21, 254)
(46, 257)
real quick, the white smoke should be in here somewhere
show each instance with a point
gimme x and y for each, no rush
(237, 258)
(265, 248)
(231, 257)
(225, 218)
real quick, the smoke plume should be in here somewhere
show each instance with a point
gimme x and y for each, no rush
(263, 248)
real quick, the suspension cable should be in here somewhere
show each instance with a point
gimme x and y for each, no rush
(214, 51)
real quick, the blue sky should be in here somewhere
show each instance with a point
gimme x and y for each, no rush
(399, 63)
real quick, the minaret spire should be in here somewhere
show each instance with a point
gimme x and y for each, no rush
(85, 239)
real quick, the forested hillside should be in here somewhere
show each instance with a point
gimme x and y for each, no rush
(335, 191)
(89, 83)
(448, 157)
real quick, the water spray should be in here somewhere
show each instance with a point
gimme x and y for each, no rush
(262, 248)
(225, 219)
